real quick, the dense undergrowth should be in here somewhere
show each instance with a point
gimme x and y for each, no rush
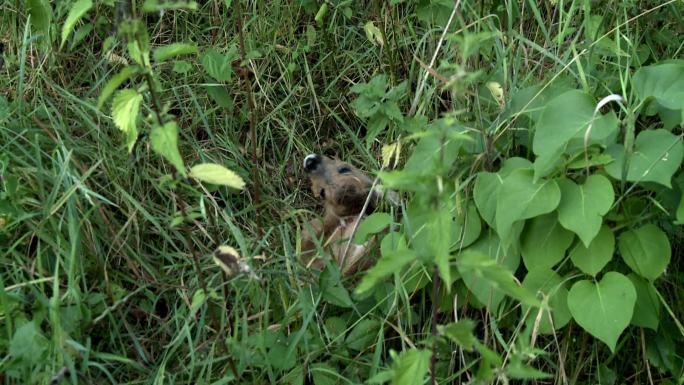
(537, 241)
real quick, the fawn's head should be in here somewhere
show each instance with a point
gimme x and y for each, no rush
(341, 186)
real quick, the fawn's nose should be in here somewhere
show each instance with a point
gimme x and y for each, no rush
(311, 162)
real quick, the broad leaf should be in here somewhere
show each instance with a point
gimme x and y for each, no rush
(544, 242)
(604, 309)
(373, 224)
(460, 332)
(475, 266)
(566, 117)
(647, 308)
(546, 281)
(664, 82)
(657, 156)
(485, 193)
(395, 255)
(41, 16)
(173, 50)
(645, 250)
(28, 343)
(77, 11)
(217, 65)
(468, 226)
(582, 207)
(164, 140)
(114, 83)
(411, 367)
(595, 257)
(161, 5)
(363, 335)
(523, 199)
(125, 109)
(216, 174)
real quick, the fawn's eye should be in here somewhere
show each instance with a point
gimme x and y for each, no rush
(344, 170)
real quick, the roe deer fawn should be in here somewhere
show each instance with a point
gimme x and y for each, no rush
(344, 190)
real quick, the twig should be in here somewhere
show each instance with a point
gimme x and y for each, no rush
(251, 107)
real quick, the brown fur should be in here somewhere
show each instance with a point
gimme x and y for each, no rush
(343, 189)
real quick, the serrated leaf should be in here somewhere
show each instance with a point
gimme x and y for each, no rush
(217, 65)
(546, 281)
(657, 156)
(645, 250)
(591, 260)
(475, 266)
(582, 207)
(604, 309)
(647, 308)
(164, 140)
(544, 242)
(174, 50)
(217, 174)
(77, 11)
(523, 199)
(373, 224)
(114, 83)
(125, 109)
(411, 367)
(460, 332)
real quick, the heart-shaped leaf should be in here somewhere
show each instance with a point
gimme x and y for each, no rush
(604, 309)
(582, 207)
(544, 242)
(595, 257)
(647, 308)
(645, 250)
(523, 199)
(551, 284)
(566, 117)
(664, 82)
(657, 156)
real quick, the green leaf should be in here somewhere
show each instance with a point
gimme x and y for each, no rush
(164, 140)
(115, 82)
(657, 156)
(182, 66)
(664, 82)
(544, 242)
(591, 260)
(474, 266)
(363, 335)
(220, 95)
(395, 255)
(517, 369)
(140, 55)
(217, 174)
(679, 216)
(28, 343)
(150, 6)
(546, 281)
(647, 308)
(338, 296)
(468, 226)
(373, 224)
(523, 199)
(125, 109)
(41, 16)
(604, 309)
(198, 300)
(217, 65)
(645, 250)
(411, 367)
(174, 50)
(78, 10)
(460, 332)
(582, 207)
(485, 193)
(566, 117)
